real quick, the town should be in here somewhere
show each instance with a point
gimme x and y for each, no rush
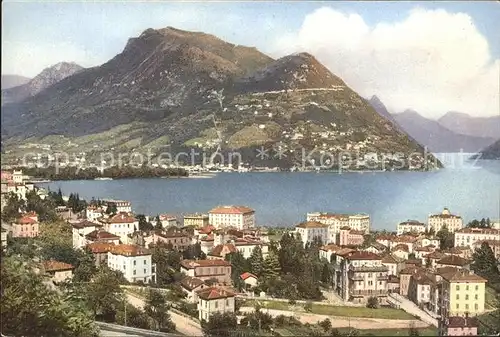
(219, 274)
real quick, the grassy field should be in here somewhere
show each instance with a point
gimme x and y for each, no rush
(306, 331)
(384, 313)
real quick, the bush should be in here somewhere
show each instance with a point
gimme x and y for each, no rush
(292, 302)
(372, 303)
(308, 306)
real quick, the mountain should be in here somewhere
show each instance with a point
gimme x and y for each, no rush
(10, 81)
(176, 90)
(45, 79)
(436, 137)
(491, 152)
(465, 124)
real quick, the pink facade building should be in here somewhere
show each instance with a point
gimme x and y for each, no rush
(26, 226)
(351, 237)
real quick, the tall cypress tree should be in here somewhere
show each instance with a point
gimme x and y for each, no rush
(271, 267)
(256, 261)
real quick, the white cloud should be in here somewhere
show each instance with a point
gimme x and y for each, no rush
(29, 59)
(432, 61)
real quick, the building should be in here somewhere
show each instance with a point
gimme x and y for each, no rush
(122, 206)
(26, 227)
(177, 240)
(393, 284)
(121, 224)
(351, 237)
(58, 271)
(358, 222)
(80, 230)
(247, 246)
(419, 288)
(430, 260)
(133, 261)
(453, 261)
(100, 252)
(405, 277)
(212, 300)
(452, 222)
(494, 245)
(196, 220)
(461, 292)
(459, 326)
(92, 213)
(376, 248)
(168, 220)
(190, 286)
(240, 217)
(219, 270)
(220, 251)
(100, 235)
(310, 230)
(394, 264)
(326, 251)
(361, 275)
(411, 226)
(401, 251)
(467, 237)
(249, 279)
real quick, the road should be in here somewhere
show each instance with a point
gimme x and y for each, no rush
(184, 325)
(412, 308)
(345, 322)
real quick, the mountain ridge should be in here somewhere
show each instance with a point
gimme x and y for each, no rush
(178, 89)
(11, 80)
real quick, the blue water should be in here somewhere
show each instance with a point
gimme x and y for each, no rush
(285, 198)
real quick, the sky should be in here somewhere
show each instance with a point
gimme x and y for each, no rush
(432, 57)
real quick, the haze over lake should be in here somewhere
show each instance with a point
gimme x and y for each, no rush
(284, 198)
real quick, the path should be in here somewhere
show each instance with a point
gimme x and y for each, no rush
(183, 324)
(345, 322)
(411, 308)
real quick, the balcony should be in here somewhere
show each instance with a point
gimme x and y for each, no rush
(356, 277)
(369, 292)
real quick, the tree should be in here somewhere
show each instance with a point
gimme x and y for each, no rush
(308, 306)
(143, 224)
(271, 268)
(485, 263)
(158, 224)
(326, 325)
(111, 209)
(135, 317)
(104, 294)
(31, 308)
(85, 268)
(256, 261)
(157, 308)
(220, 324)
(372, 303)
(446, 238)
(12, 207)
(167, 264)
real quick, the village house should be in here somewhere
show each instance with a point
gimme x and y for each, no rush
(80, 230)
(178, 240)
(310, 230)
(420, 252)
(463, 252)
(359, 222)
(100, 252)
(411, 226)
(246, 247)
(122, 206)
(249, 279)
(133, 261)
(239, 217)
(459, 326)
(461, 292)
(58, 271)
(405, 277)
(361, 275)
(393, 284)
(401, 251)
(428, 241)
(350, 237)
(393, 264)
(219, 270)
(92, 213)
(121, 224)
(430, 260)
(452, 222)
(219, 252)
(190, 286)
(453, 261)
(376, 248)
(326, 251)
(212, 300)
(168, 220)
(469, 236)
(419, 288)
(196, 220)
(207, 243)
(494, 245)
(27, 226)
(100, 235)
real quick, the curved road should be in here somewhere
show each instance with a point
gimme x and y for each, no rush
(184, 325)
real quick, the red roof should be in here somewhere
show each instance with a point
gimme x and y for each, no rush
(85, 224)
(206, 230)
(122, 218)
(129, 250)
(247, 275)
(219, 248)
(231, 210)
(100, 234)
(52, 265)
(191, 264)
(363, 255)
(213, 293)
(100, 247)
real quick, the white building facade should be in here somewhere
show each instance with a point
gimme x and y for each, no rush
(240, 217)
(133, 261)
(439, 221)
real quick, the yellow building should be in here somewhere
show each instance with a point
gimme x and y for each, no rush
(462, 292)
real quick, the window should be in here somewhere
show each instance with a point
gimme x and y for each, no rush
(475, 297)
(144, 271)
(145, 262)
(134, 272)
(457, 287)
(477, 287)
(466, 307)
(466, 297)
(135, 262)
(227, 302)
(458, 296)
(467, 287)
(476, 306)
(458, 306)
(216, 304)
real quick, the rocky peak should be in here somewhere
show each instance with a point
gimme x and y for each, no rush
(295, 71)
(52, 75)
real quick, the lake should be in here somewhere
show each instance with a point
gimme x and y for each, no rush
(283, 199)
